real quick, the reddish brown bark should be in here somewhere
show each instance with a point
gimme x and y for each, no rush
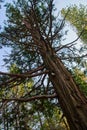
(71, 99)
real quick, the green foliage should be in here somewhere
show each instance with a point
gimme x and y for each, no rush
(81, 80)
(77, 16)
(15, 113)
(56, 121)
(17, 35)
(25, 57)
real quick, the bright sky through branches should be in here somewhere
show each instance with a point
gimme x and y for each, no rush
(59, 5)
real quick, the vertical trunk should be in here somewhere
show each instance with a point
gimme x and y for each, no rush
(72, 101)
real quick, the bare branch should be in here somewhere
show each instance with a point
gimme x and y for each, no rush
(24, 75)
(29, 99)
(65, 46)
(61, 26)
(75, 57)
(77, 37)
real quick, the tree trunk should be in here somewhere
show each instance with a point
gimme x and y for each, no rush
(71, 99)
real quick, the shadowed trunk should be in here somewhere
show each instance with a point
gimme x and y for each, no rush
(71, 99)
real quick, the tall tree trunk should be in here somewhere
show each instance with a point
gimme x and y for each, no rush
(71, 99)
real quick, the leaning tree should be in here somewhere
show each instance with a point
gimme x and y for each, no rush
(35, 35)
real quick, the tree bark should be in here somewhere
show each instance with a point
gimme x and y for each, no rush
(71, 99)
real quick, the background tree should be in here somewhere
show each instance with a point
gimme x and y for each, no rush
(35, 38)
(81, 79)
(77, 16)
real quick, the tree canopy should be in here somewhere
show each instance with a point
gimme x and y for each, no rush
(39, 76)
(77, 16)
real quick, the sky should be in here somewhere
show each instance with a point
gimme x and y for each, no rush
(59, 5)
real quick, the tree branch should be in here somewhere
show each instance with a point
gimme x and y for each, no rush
(65, 46)
(29, 99)
(24, 75)
(74, 57)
